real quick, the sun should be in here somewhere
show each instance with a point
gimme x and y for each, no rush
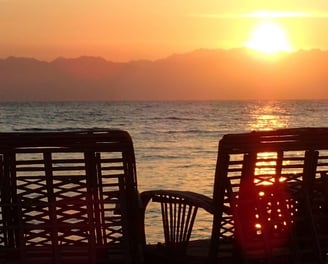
(269, 38)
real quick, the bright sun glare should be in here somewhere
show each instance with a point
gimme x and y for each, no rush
(269, 38)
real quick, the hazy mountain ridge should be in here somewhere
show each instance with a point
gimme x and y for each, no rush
(200, 75)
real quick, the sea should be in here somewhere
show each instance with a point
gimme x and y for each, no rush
(175, 142)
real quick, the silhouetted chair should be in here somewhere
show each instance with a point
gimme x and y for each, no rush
(269, 201)
(178, 212)
(270, 197)
(69, 197)
(72, 197)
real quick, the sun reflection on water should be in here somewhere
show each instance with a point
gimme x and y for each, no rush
(267, 116)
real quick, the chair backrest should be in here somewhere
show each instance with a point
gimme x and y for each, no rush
(271, 196)
(69, 196)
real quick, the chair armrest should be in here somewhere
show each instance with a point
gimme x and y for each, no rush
(193, 198)
(196, 199)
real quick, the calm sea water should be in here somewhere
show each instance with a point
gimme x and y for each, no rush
(175, 142)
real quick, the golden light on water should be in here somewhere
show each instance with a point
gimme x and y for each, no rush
(267, 122)
(268, 116)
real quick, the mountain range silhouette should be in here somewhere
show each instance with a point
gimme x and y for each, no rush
(235, 74)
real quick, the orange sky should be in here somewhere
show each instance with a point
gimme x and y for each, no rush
(123, 30)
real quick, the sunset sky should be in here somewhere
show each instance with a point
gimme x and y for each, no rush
(123, 30)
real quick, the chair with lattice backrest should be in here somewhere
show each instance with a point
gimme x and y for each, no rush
(69, 197)
(275, 186)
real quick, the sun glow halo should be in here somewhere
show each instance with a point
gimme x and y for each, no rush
(269, 38)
